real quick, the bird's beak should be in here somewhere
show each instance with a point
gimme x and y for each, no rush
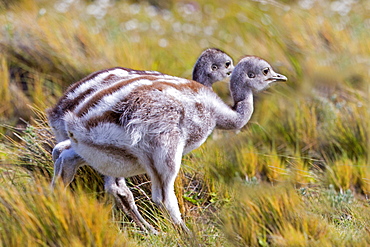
(278, 77)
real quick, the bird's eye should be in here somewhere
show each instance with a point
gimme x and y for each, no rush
(265, 71)
(227, 64)
(251, 75)
(214, 67)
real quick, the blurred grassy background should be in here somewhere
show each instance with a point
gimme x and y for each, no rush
(297, 175)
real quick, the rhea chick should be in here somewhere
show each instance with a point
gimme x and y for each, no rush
(212, 65)
(146, 123)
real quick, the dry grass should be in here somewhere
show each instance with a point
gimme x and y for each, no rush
(36, 216)
(297, 175)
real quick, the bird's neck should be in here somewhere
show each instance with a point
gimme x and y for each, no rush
(238, 115)
(201, 78)
(243, 106)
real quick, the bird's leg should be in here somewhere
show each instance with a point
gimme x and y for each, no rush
(165, 198)
(163, 172)
(125, 201)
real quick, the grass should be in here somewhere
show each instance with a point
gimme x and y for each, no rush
(297, 175)
(36, 216)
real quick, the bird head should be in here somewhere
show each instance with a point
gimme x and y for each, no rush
(255, 73)
(213, 65)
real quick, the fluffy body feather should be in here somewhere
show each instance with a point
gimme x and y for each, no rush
(144, 124)
(212, 65)
(80, 92)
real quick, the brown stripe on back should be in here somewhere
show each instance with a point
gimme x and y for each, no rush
(90, 77)
(107, 117)
(107, 91)
(143, 72)
(192, 85)
(66, 104)
(115, 116)
(75, 85)
(161, 85)
(110, 78)
(107, 80)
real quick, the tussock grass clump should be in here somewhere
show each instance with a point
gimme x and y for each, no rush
(272, 215)
(273, 167)
(36, 216)
(345, 174)
(283, 216)
(31, 147)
